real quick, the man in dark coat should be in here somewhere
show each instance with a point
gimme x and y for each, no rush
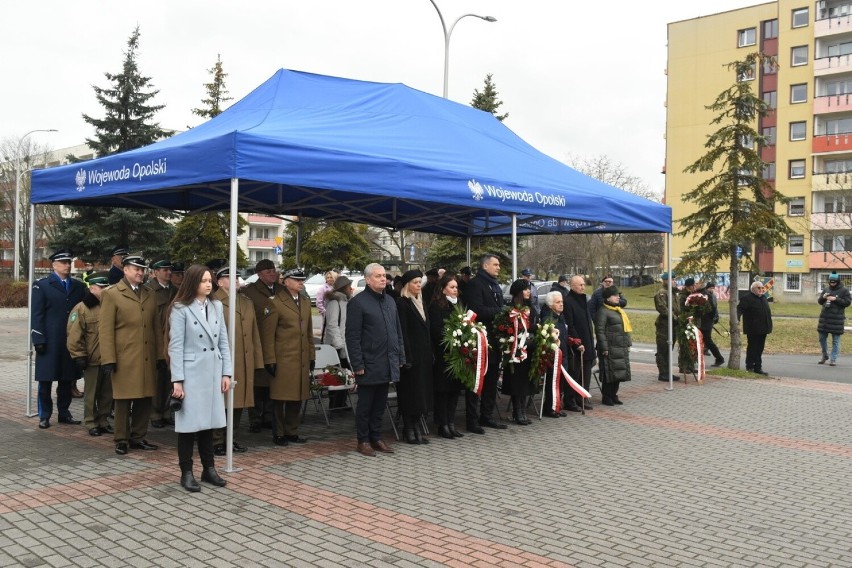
(661, 325)
(756, 316)
(561, 286)
(484, 296)
(376, 353)
(579, 323)
(164, 293)
(834, 301)
(708, 320)
(53, 299)
(597, 298)
(116, 271)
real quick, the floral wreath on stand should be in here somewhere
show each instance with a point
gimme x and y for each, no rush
(511, 328)
(546, 346)
(333, 376)
(695, 306)
(465, 344)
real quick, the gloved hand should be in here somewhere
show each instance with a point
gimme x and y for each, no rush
(161, 365)
(270, 368)
(40, 348)
(107, 370)
(81, 363)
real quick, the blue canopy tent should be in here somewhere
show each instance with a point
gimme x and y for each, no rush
(384, 154)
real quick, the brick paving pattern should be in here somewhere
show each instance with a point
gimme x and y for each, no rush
(727, 473)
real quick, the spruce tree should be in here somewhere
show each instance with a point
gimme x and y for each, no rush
(487, 99)
(736, 206)
(127, 124)
(217, 92)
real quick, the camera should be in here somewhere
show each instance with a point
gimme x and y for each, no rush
(175, 404)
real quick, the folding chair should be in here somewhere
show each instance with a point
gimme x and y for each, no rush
(326, 356)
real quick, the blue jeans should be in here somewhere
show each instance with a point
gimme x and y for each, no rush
(835, 344)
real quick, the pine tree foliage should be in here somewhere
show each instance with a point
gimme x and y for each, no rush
(127, 124)
(735, 205)
(327, 245)
(487, 99)
(217, 92)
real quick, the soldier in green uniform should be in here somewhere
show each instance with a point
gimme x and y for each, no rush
(164, 293)
(661, 303)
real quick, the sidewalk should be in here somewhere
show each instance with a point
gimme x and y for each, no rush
(727, 473)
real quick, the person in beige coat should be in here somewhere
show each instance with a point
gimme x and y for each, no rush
(131, 343)
(247, 355)
(261, 293)
(288, 353)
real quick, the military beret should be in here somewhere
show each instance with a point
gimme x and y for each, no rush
(264, 264)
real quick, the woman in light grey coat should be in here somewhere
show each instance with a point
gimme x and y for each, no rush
(200, 360)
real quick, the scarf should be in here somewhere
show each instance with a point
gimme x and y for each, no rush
(418, 303)
(624, 319)
(452, 300)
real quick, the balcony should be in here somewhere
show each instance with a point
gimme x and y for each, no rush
(261, 243)
(833, 26)
(833, 103)
(832, 222)
(832, 65)
(831, 181)
(841, 142)
(838, 260)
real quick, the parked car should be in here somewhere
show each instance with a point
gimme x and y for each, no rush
(312, 286)
(543, 288)
(358, 285)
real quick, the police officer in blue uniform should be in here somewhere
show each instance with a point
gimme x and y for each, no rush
(53, 299)
(116, 272)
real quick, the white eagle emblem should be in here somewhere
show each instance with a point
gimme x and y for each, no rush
(476, 190)
(80, 178)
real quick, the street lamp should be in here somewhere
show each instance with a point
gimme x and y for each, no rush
(17, 270)
(447, 34)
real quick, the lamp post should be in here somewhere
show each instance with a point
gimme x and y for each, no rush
(447, 34)
(17, 270)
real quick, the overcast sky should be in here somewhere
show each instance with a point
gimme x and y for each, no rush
(581, 78)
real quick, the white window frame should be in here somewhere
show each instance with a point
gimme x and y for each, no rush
(796, 207)
(794, 167)
(792, 282)
(804, 133)
(773, 29)
(795, 248)
(798, 53)
(793, 91)
(746, 37)
(797, 14)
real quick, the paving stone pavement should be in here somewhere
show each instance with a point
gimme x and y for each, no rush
(726, 473)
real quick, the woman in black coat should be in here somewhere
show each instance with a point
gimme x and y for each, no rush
(447, 386)
(414, 391)
(516, 376)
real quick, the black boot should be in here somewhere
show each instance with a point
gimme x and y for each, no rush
(211, 476)
(419, 432)
(188, 482)
(453, 431)
(444, 432)
(408, 432)
(524, 411)
(517, 411)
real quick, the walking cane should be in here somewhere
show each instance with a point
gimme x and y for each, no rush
(582, 383)
(543, 389)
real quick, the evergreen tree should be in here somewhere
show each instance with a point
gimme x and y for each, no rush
(127, 124)
(217, 93)
(487, 99)
(736, 206)
(334, 245)
(204, 236)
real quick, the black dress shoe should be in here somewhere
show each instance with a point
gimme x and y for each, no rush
(410, 436)
(475, 429)
(158, 423)
(95, 431)
(573, 408)
(69, 420)
(44, 423)
(617, 401)
(239, 448)
(608, 402)
(296, 439)
(254, 428)
(188, 482)
(280, 440)
(219, 450)
(454, 432)
(106, 429)
(444, 432)
(551, 414)
(211, 476)
(143, 445)
(675, 378)
(489, 423)
(121, 448)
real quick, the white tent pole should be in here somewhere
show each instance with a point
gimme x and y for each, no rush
(30, 412)
(670, 344)
(514, 247)
(232, 322)
(467, 248)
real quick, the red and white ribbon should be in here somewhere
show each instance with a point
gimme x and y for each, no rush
(699, 349)
(556, 386)
(519, 339)
(481, 354)
(578, 388)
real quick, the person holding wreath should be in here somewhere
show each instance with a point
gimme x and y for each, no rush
(446, 385)
(516, 370)
(200, 362)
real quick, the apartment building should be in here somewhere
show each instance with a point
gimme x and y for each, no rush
(808, 149)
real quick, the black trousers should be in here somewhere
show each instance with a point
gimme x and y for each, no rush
(754, 352)
(369, 410)
(445, 407)
(707, 335)
(45, 398)
(585, 373)
(261, 412)
(548, 390)
(488, 398)
(186, 441)
(609, 390)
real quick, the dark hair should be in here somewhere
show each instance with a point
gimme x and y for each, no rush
(485, 258)
(185, 295)
(438, 295)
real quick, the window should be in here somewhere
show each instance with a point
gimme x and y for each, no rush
(260, 233)
(796, 207)
(798, 93)
(747, 141)
(792, 282)
(769, 171)
(798, 130)
(768, 134)
(770, 65)
(800, 17)
(797, 169)
(841, 87)
(771, 99)
(748, 74)
(837, 204)
(770, 29)
(796, 244)
(746, 37)
(799, 55)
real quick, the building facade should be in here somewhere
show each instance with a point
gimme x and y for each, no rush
(807, 85)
